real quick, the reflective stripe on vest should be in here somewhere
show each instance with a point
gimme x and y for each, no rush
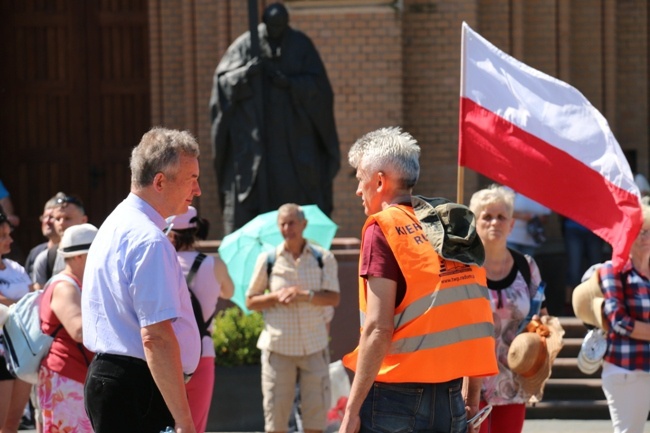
(443, 328)
(442, 338)
(435, 299)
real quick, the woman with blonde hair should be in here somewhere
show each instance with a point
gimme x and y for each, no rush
(508, 272)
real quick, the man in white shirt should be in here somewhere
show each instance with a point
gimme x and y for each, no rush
(137, 313)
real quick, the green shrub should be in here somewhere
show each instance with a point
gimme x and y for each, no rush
(235, 337)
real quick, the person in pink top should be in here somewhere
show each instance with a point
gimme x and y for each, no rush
(208, 280)
(63, 371)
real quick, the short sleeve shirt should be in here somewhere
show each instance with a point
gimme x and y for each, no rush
(14, 281)
(299, 328)
(378, 260)
(133, 279)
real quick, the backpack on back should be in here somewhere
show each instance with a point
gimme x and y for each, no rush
(25, 343)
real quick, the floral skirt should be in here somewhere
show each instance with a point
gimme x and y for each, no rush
(62, 403)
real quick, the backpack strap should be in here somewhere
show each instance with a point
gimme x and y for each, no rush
(522, 264)
(51, 258)
(318, 255)
(195, 267)
(270, 260)
(196, 305)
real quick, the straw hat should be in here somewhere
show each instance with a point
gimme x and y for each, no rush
(588, 302)
(532, 353)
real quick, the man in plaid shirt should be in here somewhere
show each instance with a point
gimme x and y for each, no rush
(626, 370)
(296, 298)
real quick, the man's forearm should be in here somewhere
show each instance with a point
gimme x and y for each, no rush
(373, 347)
(163, 358)
(474, 392)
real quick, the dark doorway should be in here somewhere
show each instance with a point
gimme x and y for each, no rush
(74, 100)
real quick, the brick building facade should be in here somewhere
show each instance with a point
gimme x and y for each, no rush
(82, 81)
(398, 63)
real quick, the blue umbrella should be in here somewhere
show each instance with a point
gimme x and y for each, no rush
(240, 249)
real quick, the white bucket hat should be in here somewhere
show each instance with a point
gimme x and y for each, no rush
(76, 240)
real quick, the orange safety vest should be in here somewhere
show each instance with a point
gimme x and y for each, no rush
(443, 327)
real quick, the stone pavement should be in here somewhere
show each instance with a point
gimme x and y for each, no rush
(571, 426)
(552, 426)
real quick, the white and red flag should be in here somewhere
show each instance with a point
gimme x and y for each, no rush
(543, 138)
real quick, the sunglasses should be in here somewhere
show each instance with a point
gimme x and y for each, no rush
(69, 199)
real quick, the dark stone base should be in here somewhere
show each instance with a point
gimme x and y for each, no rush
(237, 400)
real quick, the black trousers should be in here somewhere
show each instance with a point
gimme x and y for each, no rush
(121, 397)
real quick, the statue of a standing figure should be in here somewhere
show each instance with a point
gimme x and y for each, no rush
(273, 132)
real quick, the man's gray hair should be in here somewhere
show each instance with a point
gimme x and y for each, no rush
(289, 208)
(389, 150)
(159, 151)
(494, 194)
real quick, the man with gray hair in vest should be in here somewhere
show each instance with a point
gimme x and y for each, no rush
(426, 319)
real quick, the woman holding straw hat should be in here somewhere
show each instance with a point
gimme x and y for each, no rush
(626, 370)
(510, 296)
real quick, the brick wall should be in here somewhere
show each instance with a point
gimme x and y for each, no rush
(401, 66)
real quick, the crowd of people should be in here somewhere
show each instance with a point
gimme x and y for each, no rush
(451, 321)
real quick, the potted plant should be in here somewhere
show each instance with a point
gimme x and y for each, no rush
(235, 337)
(237, 397)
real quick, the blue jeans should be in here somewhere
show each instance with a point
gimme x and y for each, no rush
(411, 407)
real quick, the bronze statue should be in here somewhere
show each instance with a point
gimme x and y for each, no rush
(273, 131)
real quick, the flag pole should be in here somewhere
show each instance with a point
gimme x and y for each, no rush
(460, 180)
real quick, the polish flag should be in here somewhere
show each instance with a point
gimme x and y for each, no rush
(543, 138)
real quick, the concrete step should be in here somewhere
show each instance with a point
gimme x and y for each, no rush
(567, 368)
(571, 347)
(569, 409)
(573, 389)
(573, 327)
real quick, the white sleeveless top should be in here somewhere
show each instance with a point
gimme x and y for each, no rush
(206, 289)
